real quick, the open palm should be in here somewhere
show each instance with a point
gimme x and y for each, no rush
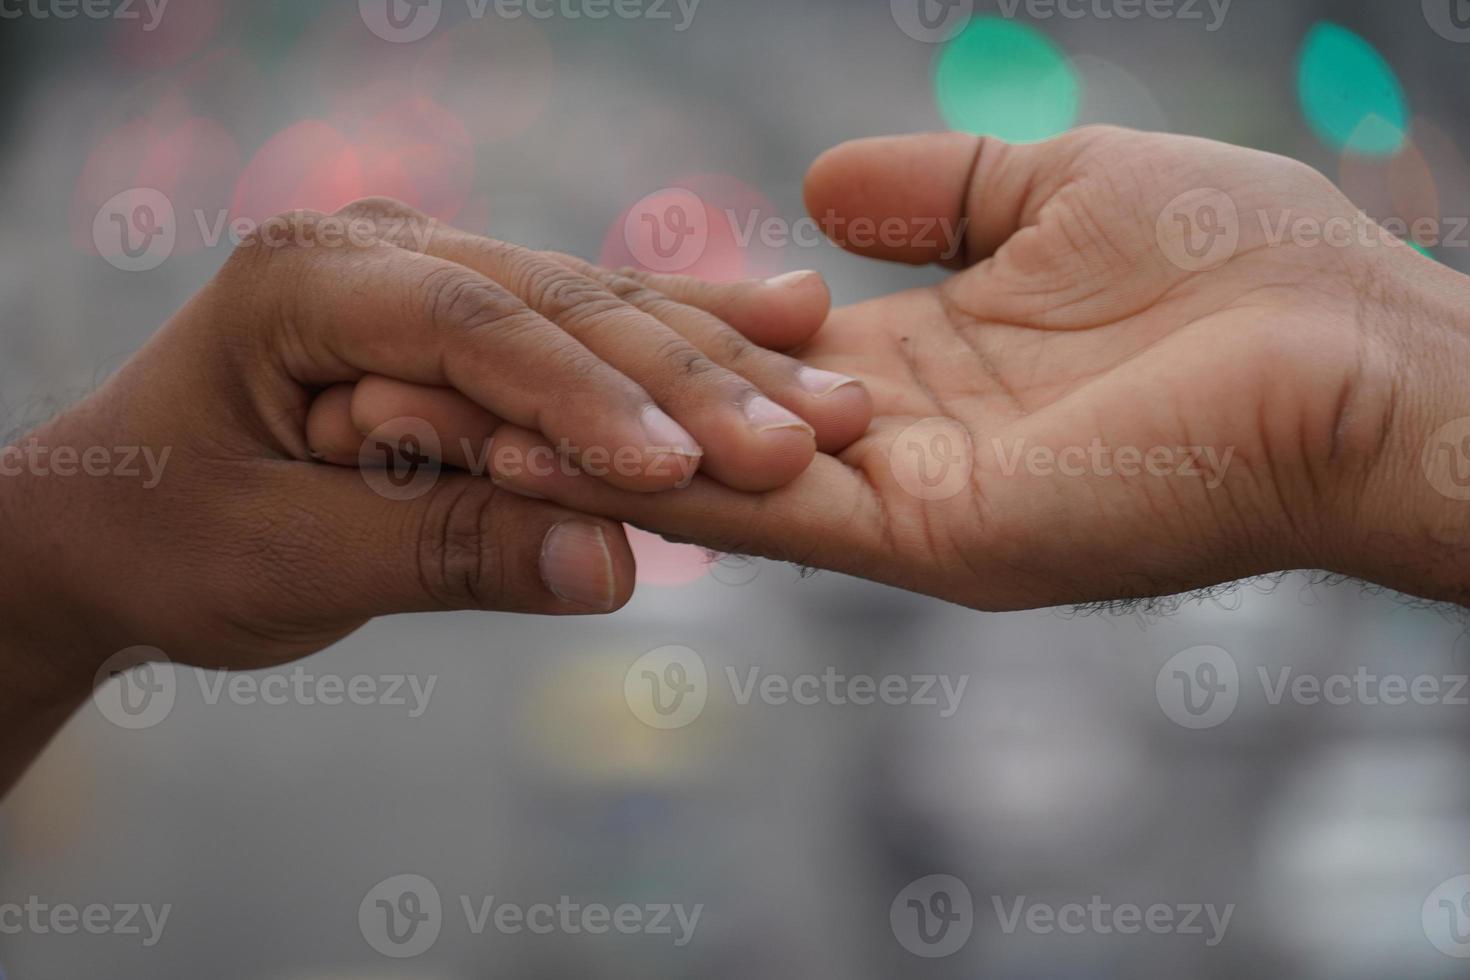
(1131, 389)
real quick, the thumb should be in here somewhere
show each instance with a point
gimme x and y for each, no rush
(406, 537)
(950, 198)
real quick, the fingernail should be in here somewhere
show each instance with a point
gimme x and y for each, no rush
(822, 383)
(792, 279)
(577, 566)
(765, 415)
(666, 435)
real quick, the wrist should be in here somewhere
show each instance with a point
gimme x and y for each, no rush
(44, 681)
(44, 628)
(1410, 523)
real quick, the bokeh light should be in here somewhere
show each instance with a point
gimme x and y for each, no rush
(1350, 95)
(742, 233)
(1007, 79)
(191, 160)
(413, 150)
(1399, 191)
(311, 164)
(1451, 171)
(665, 563)
(420, 153)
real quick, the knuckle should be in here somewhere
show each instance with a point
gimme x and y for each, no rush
(457, 300)
(561, 293)
(287, 231)
(734, 348)
(631, 291)
(682, 359)
(460, 561)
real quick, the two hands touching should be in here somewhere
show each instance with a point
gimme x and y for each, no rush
(1073, 415)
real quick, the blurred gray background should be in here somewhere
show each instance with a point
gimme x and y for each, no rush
(529, 776)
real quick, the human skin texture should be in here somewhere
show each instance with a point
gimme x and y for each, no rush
(1160, 363)
(242, 547)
